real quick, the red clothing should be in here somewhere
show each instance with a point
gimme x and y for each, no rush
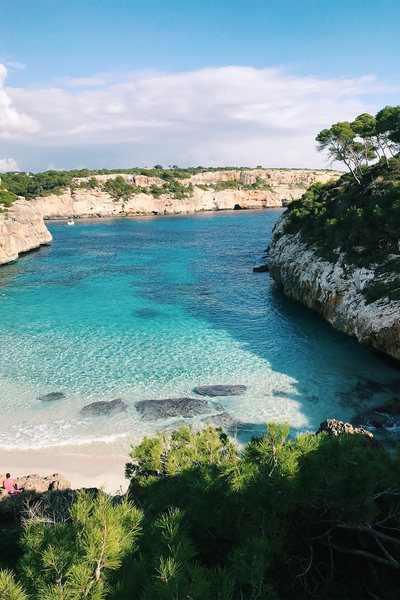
(9, 484)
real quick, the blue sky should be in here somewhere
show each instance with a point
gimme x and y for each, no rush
(110, 83)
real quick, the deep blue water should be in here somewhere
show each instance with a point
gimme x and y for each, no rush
(148, 308)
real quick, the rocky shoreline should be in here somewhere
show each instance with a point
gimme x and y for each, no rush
(335, 290)
(22, 226)
(22, 229)
(277, 188)
(53, 495)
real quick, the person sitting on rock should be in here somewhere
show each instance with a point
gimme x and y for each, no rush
(10, 485)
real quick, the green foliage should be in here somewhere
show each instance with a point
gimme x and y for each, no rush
(9, 589)
(259, 184)
(75, 559)
(118, 188)
(362, 222)
(30, 186)
(7, 198)
(379, 135)
(281, 518)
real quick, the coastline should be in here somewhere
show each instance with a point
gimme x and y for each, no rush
(82, 471)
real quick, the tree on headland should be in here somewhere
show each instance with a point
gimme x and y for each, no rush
(378, 135)
(340, 144)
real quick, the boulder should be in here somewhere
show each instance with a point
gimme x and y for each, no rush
(37, 483)
(220, 390)
(261, 269)
(333, 428)
(55, 488)
(51, 397)
(103, 408)
(171, 407)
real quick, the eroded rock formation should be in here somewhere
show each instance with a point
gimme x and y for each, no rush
(335, 290)
(279, 187)
(21, 229)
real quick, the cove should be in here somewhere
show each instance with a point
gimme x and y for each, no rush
(152, 307)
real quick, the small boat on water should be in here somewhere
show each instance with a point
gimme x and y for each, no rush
(71, 221)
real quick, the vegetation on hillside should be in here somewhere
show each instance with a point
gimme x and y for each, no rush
(357, 218)
(31, 185)
(342, 216)
(312, 517)
(6, 198)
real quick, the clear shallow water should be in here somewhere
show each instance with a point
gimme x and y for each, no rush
(149, 308)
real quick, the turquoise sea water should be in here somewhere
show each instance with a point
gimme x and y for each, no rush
(149, 308)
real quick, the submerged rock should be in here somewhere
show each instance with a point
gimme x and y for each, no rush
(385, 416)
(103, 408)
(171, 407)
(220, 390)
(230, 423)
(51, 397)
(218, 406)
(226, 421)
(391, 407)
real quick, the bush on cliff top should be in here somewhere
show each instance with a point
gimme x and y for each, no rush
(6, 198)
(283, 518)
(362, 221)
(31, 185)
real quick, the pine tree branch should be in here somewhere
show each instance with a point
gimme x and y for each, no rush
(391, 563)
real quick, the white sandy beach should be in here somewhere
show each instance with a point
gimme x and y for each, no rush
(81, 471)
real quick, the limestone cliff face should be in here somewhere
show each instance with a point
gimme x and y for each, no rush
(283, 185)
(335, 291)
(21, 229)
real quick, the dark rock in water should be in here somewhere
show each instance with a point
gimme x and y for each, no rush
(220, 390)
(389, 360)
(226, 421)
(382, 417)
(52, 396)
(313, 399)
(334, 428)
(218, 406)
(261, 269)
(103, 408)
(391, 407)
(281, 394)
(171, 407)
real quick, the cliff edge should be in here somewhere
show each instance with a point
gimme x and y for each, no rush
(124, 194)
(337, 251)
(21, 229)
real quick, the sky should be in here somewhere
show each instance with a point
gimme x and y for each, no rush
(126, 83)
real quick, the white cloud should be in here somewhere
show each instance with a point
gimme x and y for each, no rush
(16, 65)
(230, 115)
(12, 122)
(8, 164)
(86, 82)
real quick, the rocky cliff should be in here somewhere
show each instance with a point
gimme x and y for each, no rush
(213, 190)
(337, 290)
(21, 229)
